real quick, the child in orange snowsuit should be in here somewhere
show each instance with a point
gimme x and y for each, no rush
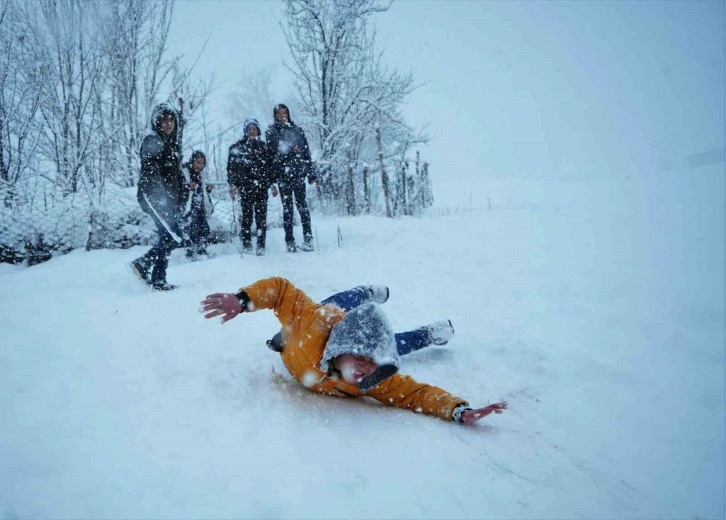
(343, 354)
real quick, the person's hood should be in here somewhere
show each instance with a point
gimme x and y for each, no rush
(364, 331)
(289, 115)
(198, 153)
(252, 121)
(188, 165)
(160, 110)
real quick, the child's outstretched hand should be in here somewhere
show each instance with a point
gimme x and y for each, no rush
(472, 416)
(226, 305)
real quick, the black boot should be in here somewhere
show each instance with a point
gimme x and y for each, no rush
(307, 245)
(162, 286)
(141, 267)
(276, 343)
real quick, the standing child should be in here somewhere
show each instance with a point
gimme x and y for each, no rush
(292, 164)
(198, 205)
(249, 173)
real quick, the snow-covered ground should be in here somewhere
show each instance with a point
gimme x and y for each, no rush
(594, 307)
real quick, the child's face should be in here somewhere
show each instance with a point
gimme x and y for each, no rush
(198, 164)
(354, 368)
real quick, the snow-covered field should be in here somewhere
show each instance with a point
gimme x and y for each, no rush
(595, 308)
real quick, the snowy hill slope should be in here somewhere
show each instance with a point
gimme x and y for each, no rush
(596, 309)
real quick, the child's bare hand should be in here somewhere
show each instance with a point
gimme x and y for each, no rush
(226, 305)
(472, 416)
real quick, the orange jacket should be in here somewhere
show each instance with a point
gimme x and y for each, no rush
(306, 326)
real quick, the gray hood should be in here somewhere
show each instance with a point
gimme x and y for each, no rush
(365, 331)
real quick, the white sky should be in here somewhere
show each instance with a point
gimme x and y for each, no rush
(519, 89)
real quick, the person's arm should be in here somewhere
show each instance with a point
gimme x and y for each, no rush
(272, 138)
(403, 392)
(278, 294)
(465, 415)
(305, 156)
(232, 176)
(151, 150)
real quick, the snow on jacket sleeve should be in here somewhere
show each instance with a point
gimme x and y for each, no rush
(279, 294)
(232, 173)
(305, 327)
(403, 392)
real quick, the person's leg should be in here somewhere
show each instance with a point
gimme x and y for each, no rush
(199, 232)
(247, 208)
(356, 296)
(152, 265)
(302, 208)
(286, 198)
(192, 229)
(437, 333)
(261, 220)
(161, 253)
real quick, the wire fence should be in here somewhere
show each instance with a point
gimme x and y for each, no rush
(41, 223)
(38, 220)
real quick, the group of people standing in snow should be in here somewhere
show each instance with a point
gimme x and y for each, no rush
(177, 198)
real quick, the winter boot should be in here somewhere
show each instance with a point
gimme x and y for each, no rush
(379, 293)
(247, 247)
(275, 343)
(162, 286)
(291, 247)
(142, 269)
(440, 332)
(260, 251)
(307, 245)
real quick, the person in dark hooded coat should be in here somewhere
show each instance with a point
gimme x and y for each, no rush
(160, 194)
(197, 206)
(292, 163)
(249, 172)
(344, 353)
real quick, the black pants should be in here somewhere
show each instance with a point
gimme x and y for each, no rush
(254, 207)
(198, 227)
(158, 256)
(289, 188)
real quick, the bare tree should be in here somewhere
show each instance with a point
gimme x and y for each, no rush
(67, 45)
(253, 97)
(136, 48)
(19, 100)
(346, 95)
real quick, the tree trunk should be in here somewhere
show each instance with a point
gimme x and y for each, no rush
(366, 191)
(350, 189)
(384, 175)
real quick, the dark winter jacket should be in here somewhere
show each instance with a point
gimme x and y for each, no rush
(314, 334)
(249, 165)
(161, 181)
(198, 198)
(289, 146)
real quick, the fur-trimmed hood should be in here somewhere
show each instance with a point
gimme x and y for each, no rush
(160, 110)
(365, 331)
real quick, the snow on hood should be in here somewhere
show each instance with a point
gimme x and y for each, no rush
(252, 121)
(365, 331)
(159, 110)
